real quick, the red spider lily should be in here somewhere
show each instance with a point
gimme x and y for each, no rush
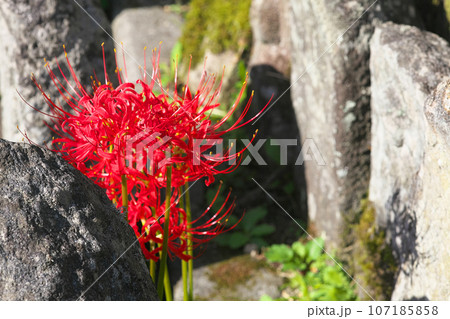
(148, 226)
(99, 126)
(123, 131)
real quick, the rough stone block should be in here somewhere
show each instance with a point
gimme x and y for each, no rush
(59, 233)
(331, 94)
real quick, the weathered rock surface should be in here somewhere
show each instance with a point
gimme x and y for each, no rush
(59, 233)
(425, 226)
(409, 183)
(31, 31)
(271, 21)
(331, 96)
(239, 278)
(141, 27)
(406, 65)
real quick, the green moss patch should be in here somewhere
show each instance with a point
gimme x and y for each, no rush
(235, 271)
(368, 255)
(217, 25)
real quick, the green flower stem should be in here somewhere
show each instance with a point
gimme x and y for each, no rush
(167, 287)
(163, 260)
(153, 265)
(189, 245)
(125, 196)
(184, 264)
(152, 262)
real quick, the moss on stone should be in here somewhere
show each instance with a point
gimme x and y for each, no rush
(368, 255)
(217, 25)
(235, 271)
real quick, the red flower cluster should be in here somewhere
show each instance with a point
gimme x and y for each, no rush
(126, 134)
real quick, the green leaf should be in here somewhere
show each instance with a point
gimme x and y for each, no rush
(252, 217)
(334, 276)
(242, 71)
(297, 282)
(279, 253)
(262, 230)
(290, 265)
(223, 239)
(320, 294)
(238, 239)
(315, 277)
(303, 266)
(299, 249)
(315, 249)
(266, 298)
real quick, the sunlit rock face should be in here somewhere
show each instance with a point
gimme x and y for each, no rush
(331, 95)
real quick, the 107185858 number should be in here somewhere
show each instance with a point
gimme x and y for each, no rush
(403, 310)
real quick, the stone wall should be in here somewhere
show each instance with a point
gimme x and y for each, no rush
(410, 151)
(361, 99)
(163, 27)
(409, 182)
(271, 29)
(406, 66)
(331, 93)
(31, 31)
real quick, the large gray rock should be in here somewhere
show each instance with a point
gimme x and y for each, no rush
(409, 183)
(59, 233)
(406, 65)
(425, 227)
(271, 34)
(331, 96)
(145, 27)
(31, 31)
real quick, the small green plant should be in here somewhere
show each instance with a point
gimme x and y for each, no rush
(248, 231)
(313, 275)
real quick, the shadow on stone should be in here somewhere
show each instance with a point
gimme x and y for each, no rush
(402, 230)
(423, 298)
